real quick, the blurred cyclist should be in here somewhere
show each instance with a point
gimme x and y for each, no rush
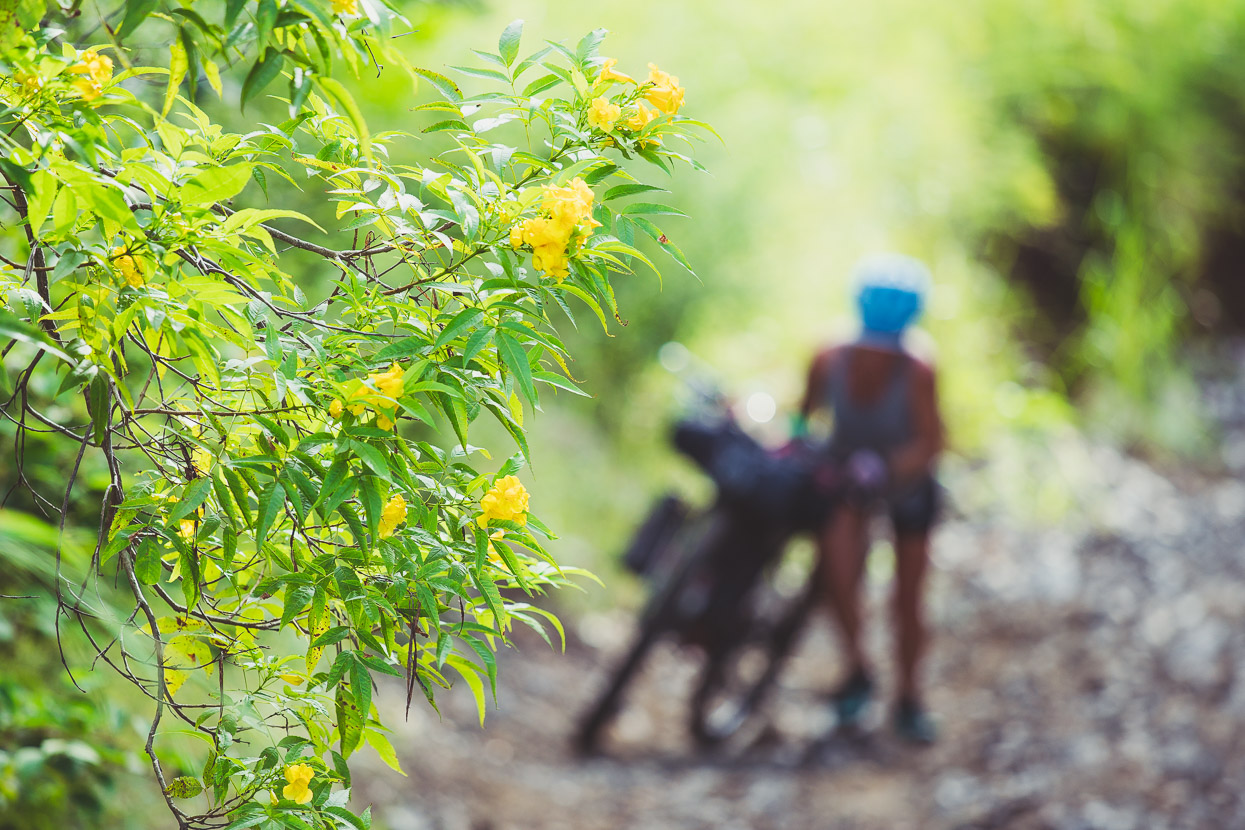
(888, 433)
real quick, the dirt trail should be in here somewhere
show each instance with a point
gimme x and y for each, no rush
(1087, 677)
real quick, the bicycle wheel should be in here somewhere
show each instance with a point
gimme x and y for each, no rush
(674, 601)
(739, 674)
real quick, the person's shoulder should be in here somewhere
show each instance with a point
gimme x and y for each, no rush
(922, 371)
(827, 355)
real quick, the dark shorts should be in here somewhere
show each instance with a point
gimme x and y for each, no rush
(915, 508)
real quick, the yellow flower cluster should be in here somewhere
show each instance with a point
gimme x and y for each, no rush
(665, 92)
(97, 71)
(128, 267)
(662, 90)
(567, 211)
(507, 500)
(346, 7)
(389, 384)
(393, 515)
(299, 776)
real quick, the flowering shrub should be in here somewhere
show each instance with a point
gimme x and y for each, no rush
(283, 527)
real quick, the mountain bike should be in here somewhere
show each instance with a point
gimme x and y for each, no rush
(710, 571)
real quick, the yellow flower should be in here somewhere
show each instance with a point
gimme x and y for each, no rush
(569, 206)
(551, 261)
(498, 534)
(602, 114)
(641, 118)
(31, 82)
(127, 265)
(665, 92)
(299, 776)
(507, 500)
(335, 409)
(186, 529)
(93, 64)
(393, 515)
(609, 75)
(567, 211)
(382, 420)
(388, 383)
(348, 7)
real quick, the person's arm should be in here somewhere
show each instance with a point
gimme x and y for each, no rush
(814, 390)
(915, 459)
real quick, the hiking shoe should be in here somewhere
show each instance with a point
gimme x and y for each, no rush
(913, 723)
(852, 698)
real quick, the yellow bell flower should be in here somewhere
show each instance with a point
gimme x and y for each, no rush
(506, 500)
(665, 92)
(602, 114)
(388, 383)
(383, 421)
(93, 64)
(393, 515)
(127, 265)
(335, 409)
(610, 75)
(299, 776)
(640, 118)
(31, 82)
(346, 7)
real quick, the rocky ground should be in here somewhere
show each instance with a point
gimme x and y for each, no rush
(1086, 674)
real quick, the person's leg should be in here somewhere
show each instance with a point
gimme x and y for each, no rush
(842, 544)
(911, 563)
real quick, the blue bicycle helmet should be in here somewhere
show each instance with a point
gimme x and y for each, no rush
(890, 293)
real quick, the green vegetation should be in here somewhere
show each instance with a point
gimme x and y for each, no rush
(265, 422)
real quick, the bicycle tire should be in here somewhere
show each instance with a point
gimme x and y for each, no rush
(722, 705)
(661, 617)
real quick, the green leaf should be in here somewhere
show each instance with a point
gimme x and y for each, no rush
(188, 564)
(490, 74)
(384, 749)
(262, 74)
(39, 202)
(350, 720)
(372, 458)
(448, 89)
(508, 44)
(297, 597)
(17, 329)
(184, 787)
(195, 494)
(136, 12)
(216, 184)
(621, 190)
(404, 348)
(99, 403)
(515, 358)
(451, 124)
(178, 64)
(270, 503)
(463, 321)
(649, 209)
(147, 567)
(470, 673)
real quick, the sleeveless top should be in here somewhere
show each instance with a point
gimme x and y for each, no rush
(882, 425)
